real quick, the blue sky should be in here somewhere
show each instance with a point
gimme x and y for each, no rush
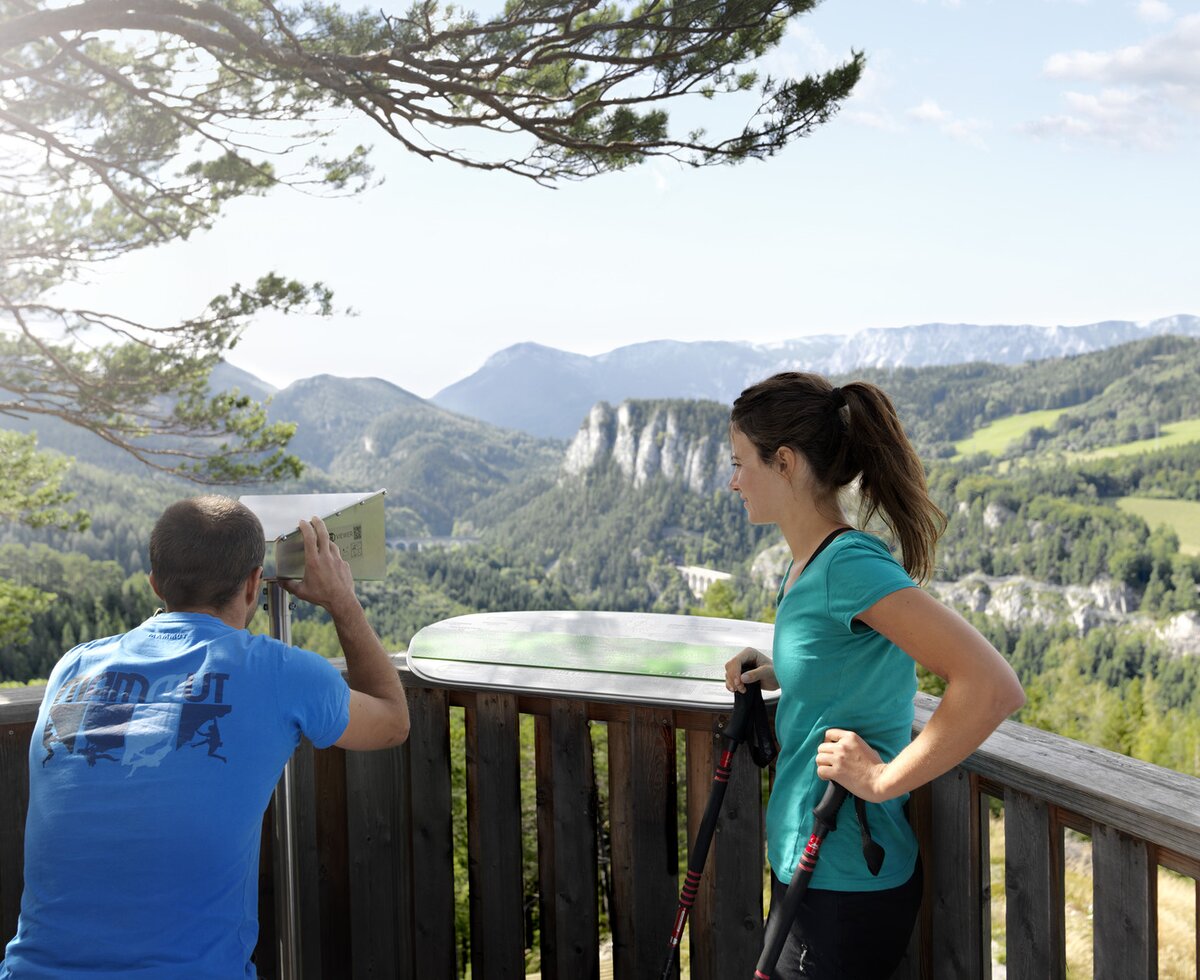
(1015, 161)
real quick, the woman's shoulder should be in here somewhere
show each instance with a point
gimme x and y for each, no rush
(857, 549)
(858, 541)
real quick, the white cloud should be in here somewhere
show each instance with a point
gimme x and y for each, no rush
(1155, 11)
(1122, 117)
(929, 111)
(964, 130)
(874, 120)
(1143, 88)
(1172, 58)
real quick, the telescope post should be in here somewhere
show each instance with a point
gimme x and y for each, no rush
(287, 897)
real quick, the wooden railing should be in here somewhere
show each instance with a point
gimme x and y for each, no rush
(376, 847)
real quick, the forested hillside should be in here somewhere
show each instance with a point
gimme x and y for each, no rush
(1098, 611)
(1110, 396)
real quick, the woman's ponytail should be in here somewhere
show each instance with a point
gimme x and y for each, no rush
(848, 433)
(891, 477)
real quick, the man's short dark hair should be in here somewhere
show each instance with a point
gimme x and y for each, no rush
(203, 549)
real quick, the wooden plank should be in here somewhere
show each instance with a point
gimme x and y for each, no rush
(1124, 907)
(726, 925)
(266, 953)
(1135, 797)
(566, 795)
(645, 857)
(14, 802)
(958, 867)
(1033, 883)
(19, 705)
(494, 838)
(432, 862)
(703, 752)
(374, 807)
(406, 969)
(307, 861)
(916, 963)
(334, 861)
(739, 865)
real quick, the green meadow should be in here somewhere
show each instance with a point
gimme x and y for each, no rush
(996, 436)
(1182, 515)
(1174, 434)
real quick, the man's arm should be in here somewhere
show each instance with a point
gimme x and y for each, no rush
(378, 707)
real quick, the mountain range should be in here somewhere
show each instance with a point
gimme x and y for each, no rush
(451, 474)
(547, 392)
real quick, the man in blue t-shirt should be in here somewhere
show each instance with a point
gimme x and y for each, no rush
(157, 751)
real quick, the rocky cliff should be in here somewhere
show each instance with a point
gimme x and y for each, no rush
(678, 440)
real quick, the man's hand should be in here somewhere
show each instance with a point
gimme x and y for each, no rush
(378, 707)
(328, 581)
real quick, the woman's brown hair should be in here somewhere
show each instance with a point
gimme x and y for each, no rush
(844, 433)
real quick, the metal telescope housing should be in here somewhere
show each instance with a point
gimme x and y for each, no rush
(355, 523)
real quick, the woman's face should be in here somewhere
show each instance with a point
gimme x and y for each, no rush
(762, 487)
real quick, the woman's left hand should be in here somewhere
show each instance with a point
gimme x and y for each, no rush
(848, 760)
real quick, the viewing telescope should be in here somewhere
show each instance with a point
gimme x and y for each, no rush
(356, 526)
(355, 523)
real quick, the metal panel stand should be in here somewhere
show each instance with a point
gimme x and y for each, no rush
(287, 895)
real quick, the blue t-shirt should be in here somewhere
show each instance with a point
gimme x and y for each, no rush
(155, 755)
(835, 672)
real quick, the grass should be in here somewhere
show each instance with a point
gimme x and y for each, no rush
(1181, 515)
(1173, 434)
(997, 435)
(1176, 911)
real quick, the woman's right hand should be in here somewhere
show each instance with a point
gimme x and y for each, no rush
(747, 667)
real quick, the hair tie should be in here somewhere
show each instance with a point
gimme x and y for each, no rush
(839, 398)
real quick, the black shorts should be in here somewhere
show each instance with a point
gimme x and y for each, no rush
(847, 935)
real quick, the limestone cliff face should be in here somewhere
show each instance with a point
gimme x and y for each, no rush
(679, 440)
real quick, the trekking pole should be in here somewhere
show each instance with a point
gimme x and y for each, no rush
(824, 820)
(734, 734)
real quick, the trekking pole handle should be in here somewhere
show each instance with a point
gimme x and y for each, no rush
(739, 721)
(827, 810)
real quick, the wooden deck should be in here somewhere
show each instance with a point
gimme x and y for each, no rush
(376, 837)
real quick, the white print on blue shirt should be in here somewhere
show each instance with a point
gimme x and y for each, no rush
(118, 716)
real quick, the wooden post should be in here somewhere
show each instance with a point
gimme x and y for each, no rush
(378, 850)
(431, 872)
(1033, 883)
(645, 855)
(14, 801)
(726, 925)
(494, 838)
(959, 907)
(566, 797)
(1125, 904)
(333, 874)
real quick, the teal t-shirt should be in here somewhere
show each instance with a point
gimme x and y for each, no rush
(835, 672)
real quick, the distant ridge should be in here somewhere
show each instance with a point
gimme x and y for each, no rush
(546, 392)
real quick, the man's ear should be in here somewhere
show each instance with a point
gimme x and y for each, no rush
(253, 584)
(154, 586)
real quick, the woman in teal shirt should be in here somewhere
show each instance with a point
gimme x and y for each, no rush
(850, 626)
